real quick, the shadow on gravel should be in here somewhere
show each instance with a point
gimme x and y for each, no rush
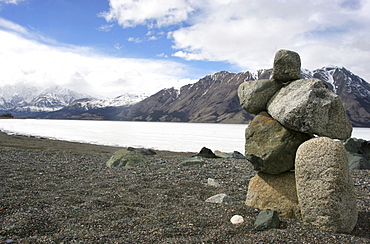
(362, 228)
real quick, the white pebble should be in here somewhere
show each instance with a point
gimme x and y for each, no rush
(237, 219)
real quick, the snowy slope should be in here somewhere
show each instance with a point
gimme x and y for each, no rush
(51, 99)
(12, 96)
(122, 100)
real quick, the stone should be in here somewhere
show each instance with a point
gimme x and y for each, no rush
(309, 106)
(235, 154)
(267, 219)
(357, 161)
(269, 146)
(223, 154)
(324, 186)
(358, 153)
(126, 158)
(196, 160)
(206, 153)
(360, 146)
(213, 182)
(238, 155)
(237, 219)
(144, 151)
(287, 66)
(276, 192)
(254, 94)
(221, 198)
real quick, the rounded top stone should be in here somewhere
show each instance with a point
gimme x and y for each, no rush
(287, 66)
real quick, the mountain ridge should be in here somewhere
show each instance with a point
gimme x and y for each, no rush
(214, 99)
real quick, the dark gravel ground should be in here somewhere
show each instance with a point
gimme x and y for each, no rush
(61, 192)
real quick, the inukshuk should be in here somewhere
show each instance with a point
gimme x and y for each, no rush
(303, 171)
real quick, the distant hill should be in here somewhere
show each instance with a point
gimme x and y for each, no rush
(212, 99)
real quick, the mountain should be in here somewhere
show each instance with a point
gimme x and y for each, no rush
(211, 99)
(12, 96)
(52, 99)
(23, 101)
(214, 98)
(60, 103)
(353, 90)
(122, 100)
(105, 109)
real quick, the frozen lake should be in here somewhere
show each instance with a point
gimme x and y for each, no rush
(181, 137)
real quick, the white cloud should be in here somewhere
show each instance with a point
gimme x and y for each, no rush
(118, 46)
(10, 1)
(162, 55)
(10, 26)
(158, 13)
(27, 61)
(105, 28)
(133, 39)
(247, 33)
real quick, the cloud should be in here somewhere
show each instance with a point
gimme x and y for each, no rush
(10, 1)
(162, 55)
(105, 28)
(157, 13)
(133, 39)
(247, 33)
(29, 61)
(11, 26)
(118, 46)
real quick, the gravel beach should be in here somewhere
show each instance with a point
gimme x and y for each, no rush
(62, 192)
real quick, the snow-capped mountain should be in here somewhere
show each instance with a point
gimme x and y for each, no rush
(352, 89)
(12, 96)
(212, 99)
(122, 100)
(52, 99)
(27, 101)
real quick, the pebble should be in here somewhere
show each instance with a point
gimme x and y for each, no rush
(237, 219)
(213, 182)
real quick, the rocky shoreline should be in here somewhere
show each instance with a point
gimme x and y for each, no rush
(62, 192)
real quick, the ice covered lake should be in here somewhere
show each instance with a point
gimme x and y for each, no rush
(181, 137)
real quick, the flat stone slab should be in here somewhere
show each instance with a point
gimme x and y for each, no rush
(221, 198)
(196, 160)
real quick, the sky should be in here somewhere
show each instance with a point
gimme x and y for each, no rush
(106, 48)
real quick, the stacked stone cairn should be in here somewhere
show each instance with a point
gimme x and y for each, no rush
(294, 144)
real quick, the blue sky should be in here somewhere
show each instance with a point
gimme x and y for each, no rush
(110, 47)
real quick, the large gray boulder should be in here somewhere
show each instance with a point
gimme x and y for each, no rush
(324, 186)
(254, 94)
(269, 146)
(309, 106)
(287, 66)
